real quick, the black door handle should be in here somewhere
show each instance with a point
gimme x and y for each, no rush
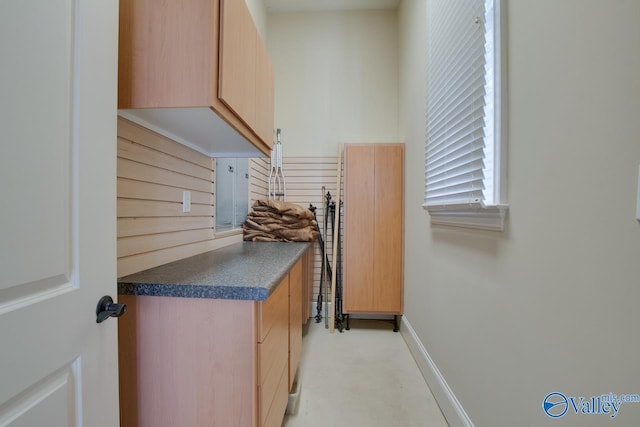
(107, 308)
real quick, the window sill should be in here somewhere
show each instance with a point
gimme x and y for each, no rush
(469, 216)
(228, 233)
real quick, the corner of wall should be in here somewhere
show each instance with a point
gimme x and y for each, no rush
(258, 12)
(449, 405)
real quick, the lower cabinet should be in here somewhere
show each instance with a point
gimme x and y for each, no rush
(273, 355)
(307, 284)
(210, 362)
(295, 320)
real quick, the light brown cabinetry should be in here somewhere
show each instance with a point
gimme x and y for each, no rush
(187, 362)
(238, 48)
(210, 362)
(246, 72)
(198, 70)
(265, 94)
(307, 284)
(373, 221)
(273, 355)
(295, 320)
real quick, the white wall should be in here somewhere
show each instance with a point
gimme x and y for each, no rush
(336, 78)
(551, 304)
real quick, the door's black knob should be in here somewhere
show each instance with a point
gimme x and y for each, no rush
(107, 308)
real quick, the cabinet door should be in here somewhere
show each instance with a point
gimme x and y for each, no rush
(295, 320)
(187, 362)
(307, 284)
(264, 94)
(273, 353)
(359, 227)
(374, 199)
(164, 53)
(388, 236)
(238, 44)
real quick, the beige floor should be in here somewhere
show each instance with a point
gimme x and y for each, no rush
(364, 377)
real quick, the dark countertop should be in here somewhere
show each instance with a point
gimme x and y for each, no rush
(244, 271)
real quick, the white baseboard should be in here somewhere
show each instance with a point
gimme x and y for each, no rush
(449, 404)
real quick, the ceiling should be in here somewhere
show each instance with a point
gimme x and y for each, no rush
(315, 5)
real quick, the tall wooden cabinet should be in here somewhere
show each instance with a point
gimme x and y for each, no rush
(373, 228)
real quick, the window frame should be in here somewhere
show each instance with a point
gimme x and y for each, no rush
(235, 193)
(479, 214)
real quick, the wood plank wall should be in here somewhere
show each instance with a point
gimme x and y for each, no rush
(258, 179)
(152, 173)
(305, 177)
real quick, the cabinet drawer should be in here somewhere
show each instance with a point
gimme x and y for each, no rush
(275, 413)
(273, 347)
(269, 389)
(294, 358)
(272, 354)
(273, 308)
(295, 319)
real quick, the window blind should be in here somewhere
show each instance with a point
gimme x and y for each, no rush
(459, 96)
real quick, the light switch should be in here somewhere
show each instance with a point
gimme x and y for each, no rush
(186, 201)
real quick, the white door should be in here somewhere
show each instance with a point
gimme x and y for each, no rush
(58, 73)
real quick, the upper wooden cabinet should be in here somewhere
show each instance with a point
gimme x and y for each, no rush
(238, 41)
(265, 77)
(198, 72)
(246, 73)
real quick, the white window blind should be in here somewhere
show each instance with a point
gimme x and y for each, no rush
(463, 155)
